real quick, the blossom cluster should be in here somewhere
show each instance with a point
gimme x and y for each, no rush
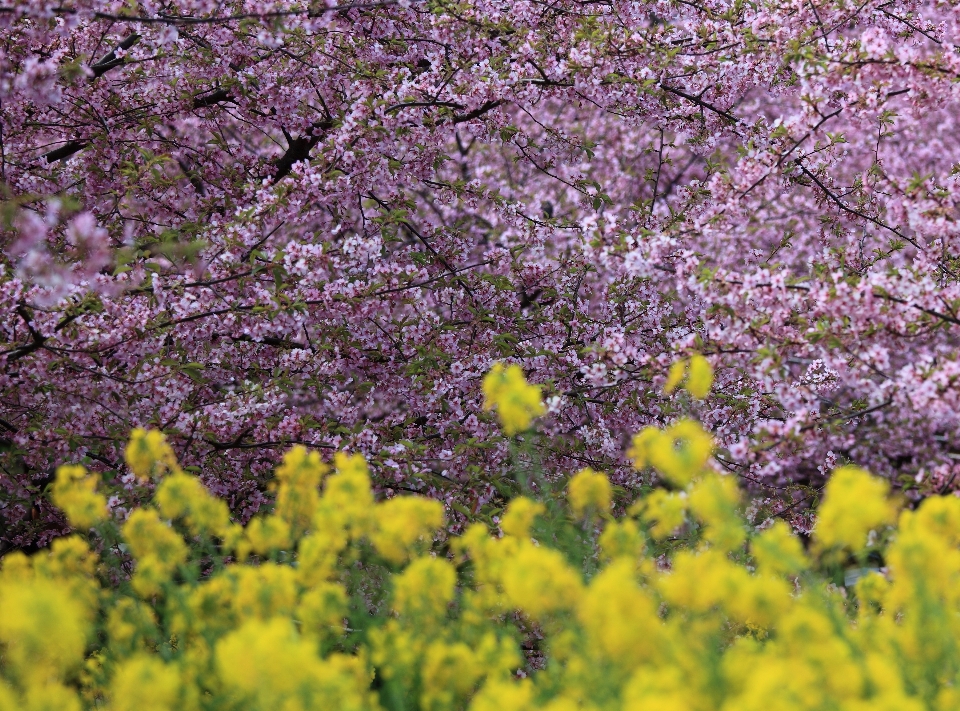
(337, 600)
(252, 224)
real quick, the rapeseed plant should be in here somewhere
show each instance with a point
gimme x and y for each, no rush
(335, 601)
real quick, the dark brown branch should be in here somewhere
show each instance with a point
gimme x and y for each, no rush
(439, 257)
(162, 19)
(193, 176)
(930, 312)
(221, 280)
(218, 97)
(198, 317)
(477, 112)
(424, 104)
(846, 208)
(271, 341)
(912, 27)
(417, 284)
(35, 344)
(65, 151)
(877, 293)
(457, 118)
(701, 103)
(75, 146)
(111, 60)
(299, 148)
(869, 410)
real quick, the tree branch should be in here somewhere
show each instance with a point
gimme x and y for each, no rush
(701, 103)
(478, 112)
(35, 344)
(78, 144)
(299, 148)
(846, 208)
(111, 60)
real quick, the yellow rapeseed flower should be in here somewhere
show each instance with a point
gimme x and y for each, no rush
(675, 376)
(73, 565)
(298, 493)
(621, 539)
(300, 463)
(149, 454)
(450, 672)
(396, 650)
(778, 550)
(539, 581)
(266, 665)
(714, 500)
(922, 565)
(182, 495)
(697, 624)
(940, 515)
(322, 610)
(265, 535)
(698, 373)
(620, 618)
(43, 628)
(75, 493)
(872, 589)
(589, 491)
(402, 523)
(700, 377)
(679, 453)
(47, 697)
(488, 554)
(854, 504)
(663, 510)
(145, 683)
(517, 402)
(129, 621)
(425, 588)
(670, 687)
(500, 695)
(518, 518)
(263, 591)
(159, 550)
(347, 504)
(318, 555)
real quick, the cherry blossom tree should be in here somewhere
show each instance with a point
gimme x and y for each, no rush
(252, 224)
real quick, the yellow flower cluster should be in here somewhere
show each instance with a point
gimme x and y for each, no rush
(842, 527)
(149, 454)
(403, 523)
(334, 600)
(159, 550)
(75, 493)
(519, 516)
(679, 453)
(698, 374)
(180, 496)
(589, 491)
(299, 477)
(517, 402)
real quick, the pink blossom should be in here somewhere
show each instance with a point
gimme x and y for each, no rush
(325, 229)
